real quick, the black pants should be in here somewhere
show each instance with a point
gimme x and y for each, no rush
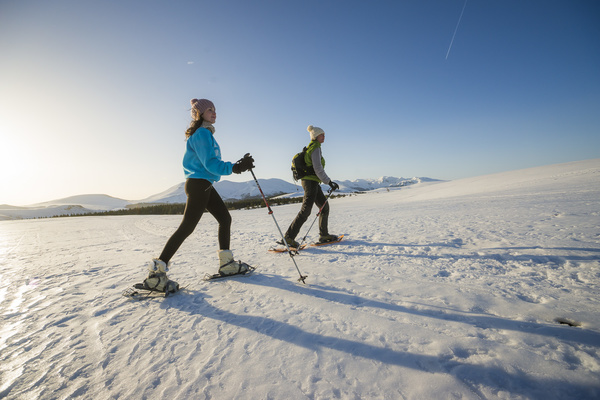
(200, 196)
(312, 195)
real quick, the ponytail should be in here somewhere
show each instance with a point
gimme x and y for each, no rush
(194, 125)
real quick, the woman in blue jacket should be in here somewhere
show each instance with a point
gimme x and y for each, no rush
(203, 166)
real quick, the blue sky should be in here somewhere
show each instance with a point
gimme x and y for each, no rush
(94, 96)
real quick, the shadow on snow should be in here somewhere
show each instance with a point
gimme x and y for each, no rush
(471, 374)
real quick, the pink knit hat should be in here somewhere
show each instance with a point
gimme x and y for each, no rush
(199, 106)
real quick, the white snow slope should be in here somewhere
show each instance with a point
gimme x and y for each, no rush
(440, 291)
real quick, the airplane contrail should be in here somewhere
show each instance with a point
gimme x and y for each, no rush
(456, 29)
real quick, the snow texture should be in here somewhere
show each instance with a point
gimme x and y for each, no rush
(446, 290)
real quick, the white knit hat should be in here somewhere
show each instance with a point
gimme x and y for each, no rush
(315, 132)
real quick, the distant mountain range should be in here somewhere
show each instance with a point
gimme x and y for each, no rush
(228, 190)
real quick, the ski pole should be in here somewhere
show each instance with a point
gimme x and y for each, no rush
(319, 213)
(302, 277)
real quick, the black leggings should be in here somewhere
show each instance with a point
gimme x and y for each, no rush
(200, 196)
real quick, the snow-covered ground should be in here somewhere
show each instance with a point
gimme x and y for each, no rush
(440, 291)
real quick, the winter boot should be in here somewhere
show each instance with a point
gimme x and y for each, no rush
(157, 278)
(327, 238)
(290, 242)
(228, 266)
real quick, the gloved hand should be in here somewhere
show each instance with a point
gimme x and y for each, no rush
(334, 186)
(244, 164)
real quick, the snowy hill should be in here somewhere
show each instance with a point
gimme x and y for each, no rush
(365, 185)
(449, 290)
(174, 194)
(228, 190)
(274, 187)
(99, 202)
(81, 204)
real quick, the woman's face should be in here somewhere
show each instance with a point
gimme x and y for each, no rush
(321, 138)
(210, 115)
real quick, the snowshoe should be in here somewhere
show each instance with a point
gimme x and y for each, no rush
(235, 268)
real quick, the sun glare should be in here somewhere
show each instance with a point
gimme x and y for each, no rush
(15, 163)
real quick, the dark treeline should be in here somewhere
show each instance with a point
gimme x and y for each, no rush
(178, 208)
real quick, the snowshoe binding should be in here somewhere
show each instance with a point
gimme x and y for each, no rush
(228, 266)
(292, 244)
(156, 282)
(327, 239)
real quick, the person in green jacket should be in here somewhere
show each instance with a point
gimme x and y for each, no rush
(313, 194)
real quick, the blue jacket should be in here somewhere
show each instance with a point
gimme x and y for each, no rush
(202, 158)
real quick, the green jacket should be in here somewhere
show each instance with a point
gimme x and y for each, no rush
(314, 145)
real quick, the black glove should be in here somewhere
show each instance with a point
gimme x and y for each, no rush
(244, 164)
(334, 186)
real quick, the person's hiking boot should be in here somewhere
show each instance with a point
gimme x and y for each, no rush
(157, 278)
(327, 238)
(291, 242)
(228, 266)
